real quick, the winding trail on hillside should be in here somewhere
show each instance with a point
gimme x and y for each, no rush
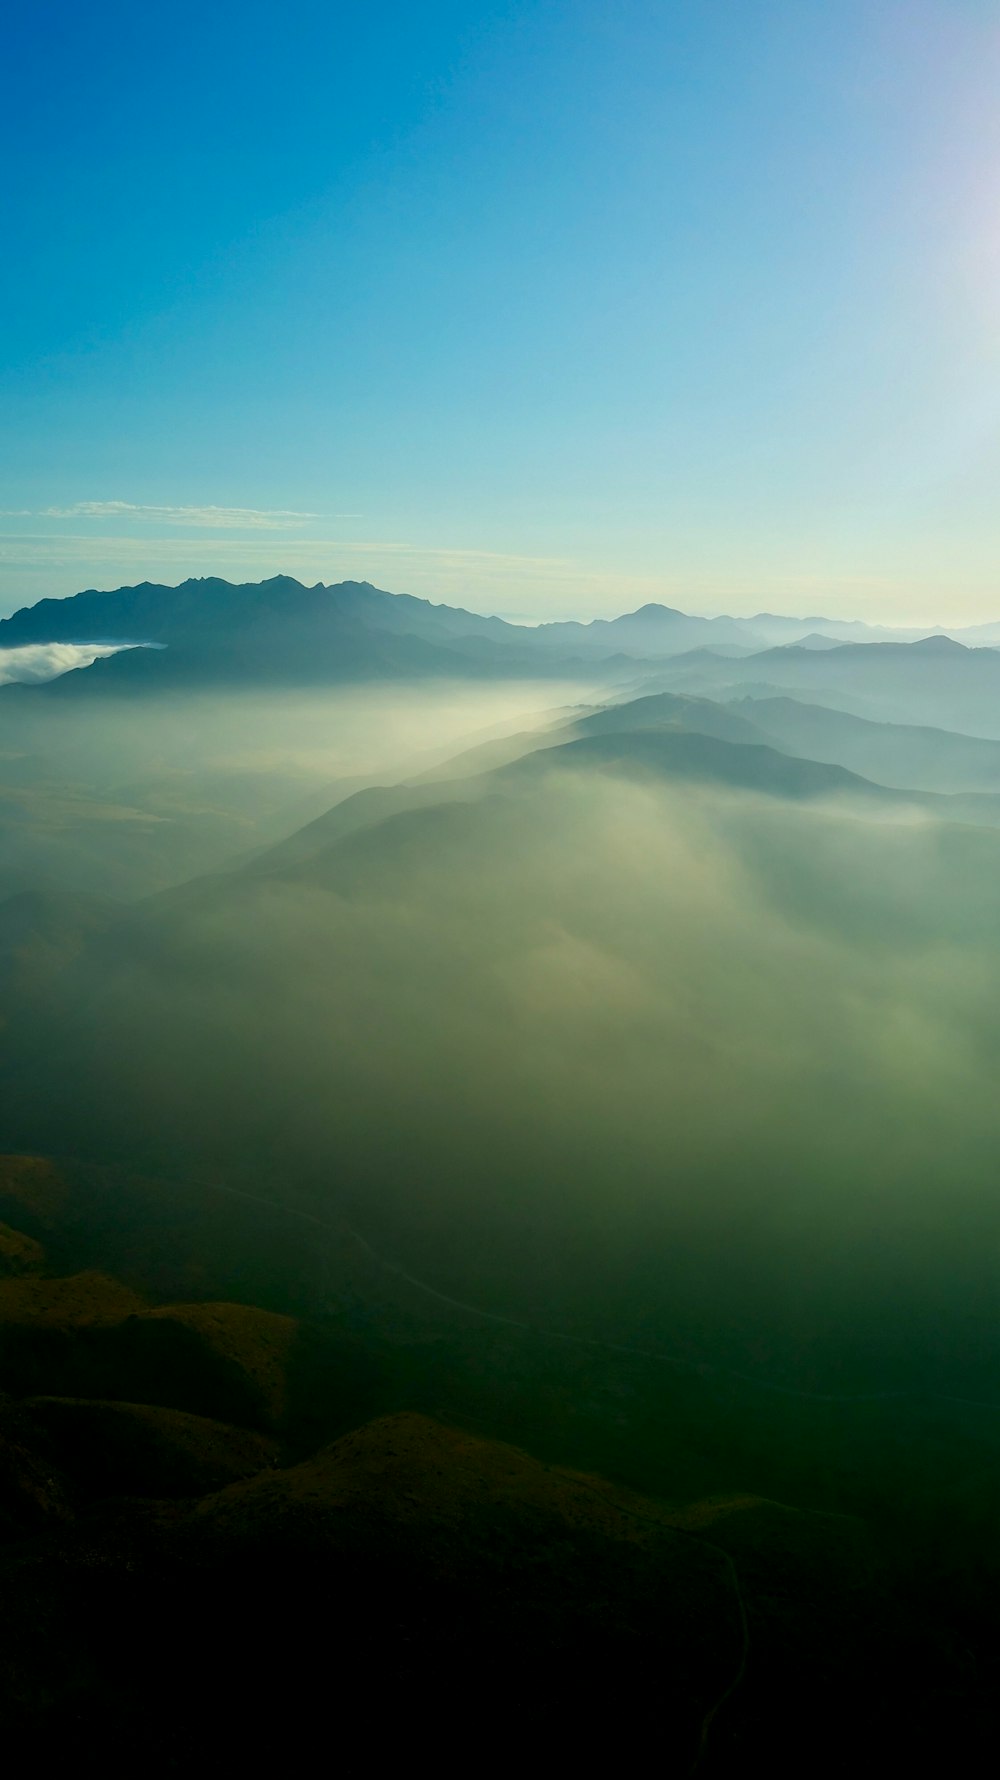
(700, 1368)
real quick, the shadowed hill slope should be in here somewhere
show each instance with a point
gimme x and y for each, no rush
(468, 773)
(212, 632)
(99, 1449)
(89, 1336)
(932, 681)
(571, 1617)
(209, 606)
(647, 751)
(222, 1586)
(904, 755)
(660, 737)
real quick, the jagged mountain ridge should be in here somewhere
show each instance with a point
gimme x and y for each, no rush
(281, 628)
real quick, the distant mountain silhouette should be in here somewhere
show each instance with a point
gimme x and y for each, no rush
(669, 754)
(815, 640)
(278, 630)
(667, 710)
(269, 631)
(910, 756)
(652, 630)
(213, 608)
(934, 680)
(664, 630)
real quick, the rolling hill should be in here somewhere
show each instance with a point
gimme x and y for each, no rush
(566, 1609)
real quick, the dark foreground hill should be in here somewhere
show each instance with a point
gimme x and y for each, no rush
(413, 1584)
(184, 1588)
(910, 756)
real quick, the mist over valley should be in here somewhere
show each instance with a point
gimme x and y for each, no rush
(500, 889)
(602, 1070)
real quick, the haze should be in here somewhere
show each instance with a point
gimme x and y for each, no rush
(499, 847)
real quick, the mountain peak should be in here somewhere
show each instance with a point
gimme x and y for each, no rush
(653, 612)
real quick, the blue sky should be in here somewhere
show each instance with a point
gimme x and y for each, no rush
(548, 308)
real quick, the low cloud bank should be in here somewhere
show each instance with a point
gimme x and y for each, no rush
(623, 1056)
(46, 661)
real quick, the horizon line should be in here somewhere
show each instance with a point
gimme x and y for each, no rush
(526, 621)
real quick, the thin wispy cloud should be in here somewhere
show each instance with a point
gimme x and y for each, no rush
(40, 549)
(210, 518)
(61, 561)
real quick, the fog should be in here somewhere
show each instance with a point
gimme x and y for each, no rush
(612, 1054)
(418, 1070)
(124, 796)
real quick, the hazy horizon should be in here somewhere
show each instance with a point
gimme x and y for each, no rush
(580, 614)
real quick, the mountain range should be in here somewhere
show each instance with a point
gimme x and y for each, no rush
(278, 631)
(934, 680)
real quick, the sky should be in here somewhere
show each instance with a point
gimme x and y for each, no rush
(543, 308)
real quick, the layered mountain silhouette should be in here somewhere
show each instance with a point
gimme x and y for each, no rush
(911, 756)
(273, 631)
(660, 739)
(95, 988)
(934, 680)
(278, 631)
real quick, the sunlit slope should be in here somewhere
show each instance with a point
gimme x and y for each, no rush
(672, 738)
(467, 774)
(126, 796)
(651, 751)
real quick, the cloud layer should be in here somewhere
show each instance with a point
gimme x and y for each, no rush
(209, 517)
(45, 661)
(587, 1047)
